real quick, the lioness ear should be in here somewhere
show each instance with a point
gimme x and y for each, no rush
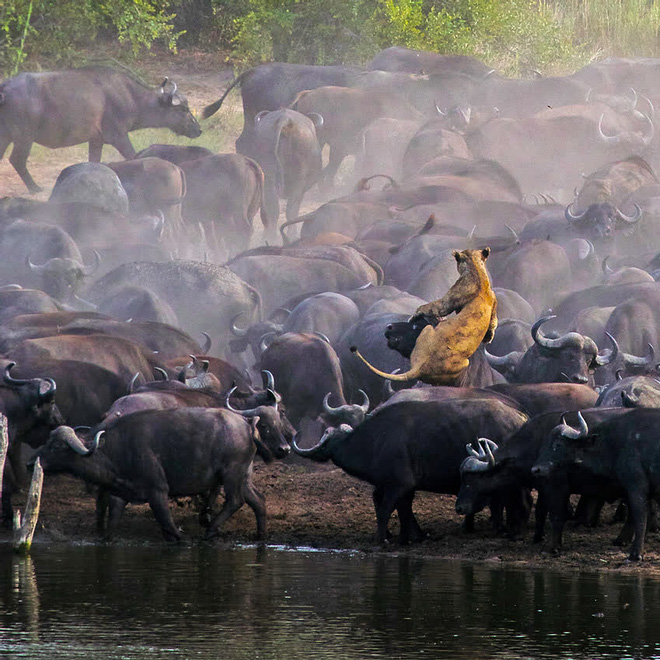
(485, 252)
(457, 255)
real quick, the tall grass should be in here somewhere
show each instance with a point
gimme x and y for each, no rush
(611, 27)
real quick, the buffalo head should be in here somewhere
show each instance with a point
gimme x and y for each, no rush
(571, 357)
(601, 221)
(61, 278)
(402, 336)
(177, 115)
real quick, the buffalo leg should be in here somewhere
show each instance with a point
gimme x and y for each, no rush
(257, 503)
(18, 159)
(335, 159)
(410, 531)
(123, 145)
(102, 503)
(638, 503)
(271, 202)
(234, 500)
(385, 502)
(95, 151)
(540, 516)
(116, 506)
(159, 504)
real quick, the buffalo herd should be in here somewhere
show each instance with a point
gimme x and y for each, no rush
(154, 340)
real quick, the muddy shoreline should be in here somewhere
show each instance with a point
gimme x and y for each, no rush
(319, 506)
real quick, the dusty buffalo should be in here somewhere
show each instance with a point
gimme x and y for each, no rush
(346, 113)
(201, 294)
(275, 85)
(286, 146)
(95, 105)
(398, 58)
(306, 368)
(155, 186)
(152, 456)
(225, 191)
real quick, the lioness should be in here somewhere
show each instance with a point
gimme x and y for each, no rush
(444, 347)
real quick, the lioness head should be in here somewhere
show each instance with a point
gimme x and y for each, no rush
(467, 258)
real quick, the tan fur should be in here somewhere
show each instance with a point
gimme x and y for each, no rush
(442, 352)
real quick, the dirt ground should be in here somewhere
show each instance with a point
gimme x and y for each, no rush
(318, 505)
(308, 504)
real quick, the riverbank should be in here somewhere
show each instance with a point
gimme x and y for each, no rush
(318, 505)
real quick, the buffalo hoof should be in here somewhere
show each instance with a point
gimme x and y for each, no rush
(210, 534)
(634, 556)
(555, 552)
(205, 519)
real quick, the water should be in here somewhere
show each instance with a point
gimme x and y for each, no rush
(156, 602)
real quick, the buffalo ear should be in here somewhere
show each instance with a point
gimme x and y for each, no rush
(485, 252)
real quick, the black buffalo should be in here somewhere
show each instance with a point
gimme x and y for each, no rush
(151, 456)
(411, 446)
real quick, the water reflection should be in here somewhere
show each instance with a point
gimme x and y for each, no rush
(138, 602)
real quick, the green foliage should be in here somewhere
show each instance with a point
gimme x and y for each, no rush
(311, 31)
(59, 29)
(511, 35)
(140, 22)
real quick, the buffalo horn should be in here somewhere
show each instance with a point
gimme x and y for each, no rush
(609, 139)
(543, 341)
(87, 306)
(489, 446)
(239, 332)
(250, 412)
(317, 119)
(325, 338)
(607, 269)
(516, 238)
(647, 139)
(609, 355)
(365, 286)
(651, 108)
(49, 394)
(326, 404)
(13, 381)
(630, 219)
(268, 379)
(572, 433)
(207, 343)
(92, 268)
(440, 112)
(79, 446)
(331, 430)
(162, 372)
(365, 401)
(35, 268)
(571, 217)
(507, 361)
(11, 287)
(266, 340)
(131, 385)
(638, 361)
